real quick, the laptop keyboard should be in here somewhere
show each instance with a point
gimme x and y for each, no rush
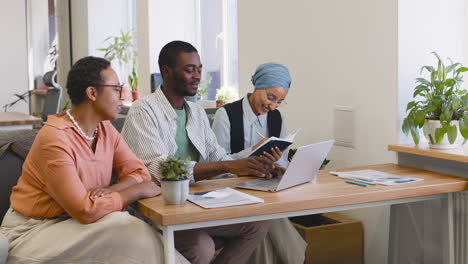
(270, 184)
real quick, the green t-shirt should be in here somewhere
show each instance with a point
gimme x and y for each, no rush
(185, 148)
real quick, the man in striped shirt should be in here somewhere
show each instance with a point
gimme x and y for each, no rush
(163, 124)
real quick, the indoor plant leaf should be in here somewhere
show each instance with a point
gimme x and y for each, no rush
(462, 69)
(415, 135)
(405, 127)
(424, 81)
(463, 127)
(452, 134)
(439, 134)
(452, 67)
(410, 105)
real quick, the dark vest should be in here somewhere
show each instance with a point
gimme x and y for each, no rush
(236, 119)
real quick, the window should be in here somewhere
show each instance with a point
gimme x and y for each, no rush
(42, 40)
(209, 25)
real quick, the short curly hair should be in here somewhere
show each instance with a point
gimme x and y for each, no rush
(84, 73)
(170, 51)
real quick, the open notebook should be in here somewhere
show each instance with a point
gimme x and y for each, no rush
(281, 143)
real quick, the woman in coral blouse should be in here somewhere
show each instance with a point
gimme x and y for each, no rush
(63, 208)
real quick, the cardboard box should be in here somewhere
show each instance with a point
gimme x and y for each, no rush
(331, 238)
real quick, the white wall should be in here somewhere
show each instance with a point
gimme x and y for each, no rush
(425, 26)
(342, 53)
(14, 61)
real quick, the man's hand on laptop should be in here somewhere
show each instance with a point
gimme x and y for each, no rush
(257, 166)
(279, 171)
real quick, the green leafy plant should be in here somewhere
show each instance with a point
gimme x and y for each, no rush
(203, 87)
(292, 152)
(174, 169)
(226, 94)
(439, 98)
(133, 78)
(120, 48)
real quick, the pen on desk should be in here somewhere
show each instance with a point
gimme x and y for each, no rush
(260, 134)
(357, 183)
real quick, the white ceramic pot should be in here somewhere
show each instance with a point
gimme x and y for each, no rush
(175, 192)
(429, 129)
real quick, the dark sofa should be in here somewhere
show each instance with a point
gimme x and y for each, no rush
(14, 146)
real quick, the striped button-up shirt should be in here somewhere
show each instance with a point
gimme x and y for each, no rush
(150, 131)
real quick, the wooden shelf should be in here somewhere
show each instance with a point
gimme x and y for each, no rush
(459, 154)
(16, 118)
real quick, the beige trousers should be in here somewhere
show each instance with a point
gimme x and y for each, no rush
(116, 238)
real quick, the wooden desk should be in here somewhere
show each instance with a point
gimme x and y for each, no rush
(16, 120)
(328, 194)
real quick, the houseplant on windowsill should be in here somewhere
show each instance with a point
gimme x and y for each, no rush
(174, 180)
(120, 50)
(225, 95)
(133, 82)
(440, 107)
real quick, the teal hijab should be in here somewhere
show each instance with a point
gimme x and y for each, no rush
(271, 75)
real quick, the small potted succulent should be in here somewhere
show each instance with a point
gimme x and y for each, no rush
(174, 180)
(440, 106)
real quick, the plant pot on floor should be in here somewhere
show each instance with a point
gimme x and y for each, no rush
(429, 131)
(175, 192)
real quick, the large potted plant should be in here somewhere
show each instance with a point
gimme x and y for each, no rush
(174, 180)
(121, 49)
(440, 107)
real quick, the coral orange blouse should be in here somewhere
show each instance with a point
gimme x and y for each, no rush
(61, 169)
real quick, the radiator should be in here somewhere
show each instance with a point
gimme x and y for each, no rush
(460, 227)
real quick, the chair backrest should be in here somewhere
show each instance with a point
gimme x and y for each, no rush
(156, 80)
(52, 102)
(210, 112)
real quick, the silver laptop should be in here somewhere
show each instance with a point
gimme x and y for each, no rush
(303, 168)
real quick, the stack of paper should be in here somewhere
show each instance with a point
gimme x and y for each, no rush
(375, 177)
(222, 198)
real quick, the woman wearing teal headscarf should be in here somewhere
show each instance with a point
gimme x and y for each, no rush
(240, 127)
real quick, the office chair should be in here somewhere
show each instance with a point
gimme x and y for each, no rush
(156, 80)
(53, 96)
